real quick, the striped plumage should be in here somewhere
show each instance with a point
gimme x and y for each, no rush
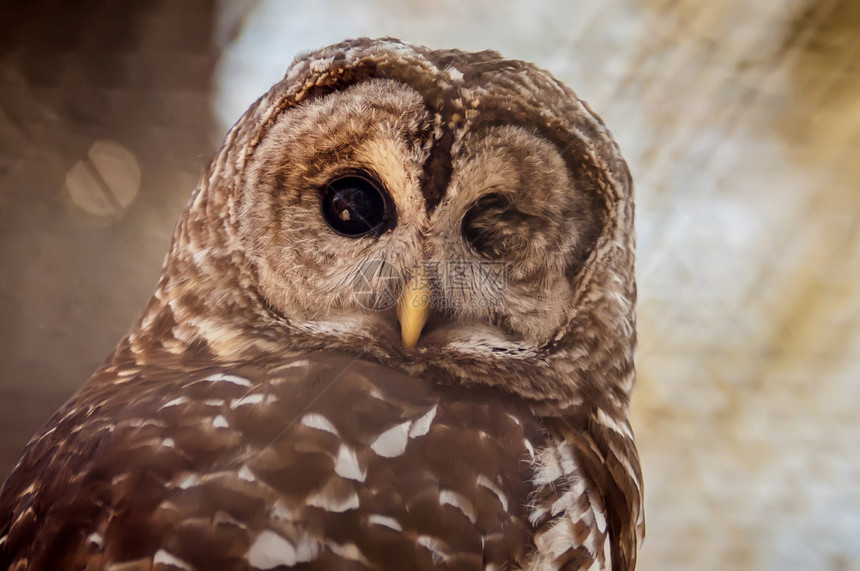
(258, 416)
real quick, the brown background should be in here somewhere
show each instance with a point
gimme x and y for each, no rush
(741, 122)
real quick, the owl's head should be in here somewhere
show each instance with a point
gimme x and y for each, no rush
(451, 214)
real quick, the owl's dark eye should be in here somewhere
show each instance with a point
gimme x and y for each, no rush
(355, 205)
(495, 228)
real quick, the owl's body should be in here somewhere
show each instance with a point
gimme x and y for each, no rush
(262, 415)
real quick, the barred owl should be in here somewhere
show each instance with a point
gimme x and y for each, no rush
(394, 330)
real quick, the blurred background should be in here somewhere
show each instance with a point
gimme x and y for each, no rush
(741, 123)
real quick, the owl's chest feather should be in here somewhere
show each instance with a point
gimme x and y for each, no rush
(324, 459)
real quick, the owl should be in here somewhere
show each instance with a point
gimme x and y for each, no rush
(394, 330)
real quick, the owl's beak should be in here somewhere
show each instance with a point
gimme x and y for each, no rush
(413, 308)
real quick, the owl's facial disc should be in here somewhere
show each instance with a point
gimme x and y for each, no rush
(335, 219)
(507, 243)
(332, 210)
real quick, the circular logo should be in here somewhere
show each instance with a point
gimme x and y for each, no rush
(377, 285)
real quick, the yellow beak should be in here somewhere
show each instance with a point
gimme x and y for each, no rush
(413, 308)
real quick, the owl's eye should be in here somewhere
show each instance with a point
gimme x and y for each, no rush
(355, 205)
(495, 228)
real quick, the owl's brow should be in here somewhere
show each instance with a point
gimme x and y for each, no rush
(300, 414)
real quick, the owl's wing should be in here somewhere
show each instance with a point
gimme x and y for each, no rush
(323, 460)
(587, 503)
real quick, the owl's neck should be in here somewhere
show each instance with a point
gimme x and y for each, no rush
(206, 306)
